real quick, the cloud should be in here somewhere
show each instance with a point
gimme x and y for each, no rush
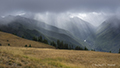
(93, 11)
(59, 5)
(58, 19)
(95, 18)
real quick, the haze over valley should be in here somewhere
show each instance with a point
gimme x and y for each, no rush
(73, 31)
(69, 26)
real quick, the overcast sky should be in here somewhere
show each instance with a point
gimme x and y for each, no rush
(87, 7)
(59, 5)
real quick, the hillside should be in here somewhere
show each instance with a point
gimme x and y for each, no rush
(21, 57)
(6, 38)
(108, 36)
(29, 28)
(45, 56)
(76, 32)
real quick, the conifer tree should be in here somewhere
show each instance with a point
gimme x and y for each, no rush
(34, 38)
(45, 41)
(78, 48)
(40, 39)
(85, 48)
(119, 50)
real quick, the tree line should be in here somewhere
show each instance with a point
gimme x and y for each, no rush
(59, 44)
(39, 39)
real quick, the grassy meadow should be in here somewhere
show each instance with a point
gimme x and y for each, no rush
(22, 57)
(13, 40)
(16, 55)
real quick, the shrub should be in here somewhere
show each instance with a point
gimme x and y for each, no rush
(8, 44)
(25, 45)
(10, 63)
(19, 64)
(30, 45)
(0, 44)
(7, 40)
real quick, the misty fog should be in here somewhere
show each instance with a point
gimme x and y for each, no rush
(86, 22)
(58, 12)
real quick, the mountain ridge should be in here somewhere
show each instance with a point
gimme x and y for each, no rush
(79, 32)
(23, 25)
(108, 36)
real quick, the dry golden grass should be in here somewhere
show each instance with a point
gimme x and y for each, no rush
(45, 56)
(55, 58)
(6, 38)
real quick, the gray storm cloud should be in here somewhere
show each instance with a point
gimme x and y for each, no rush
(60, 19)
(59, 5)
(93, 11)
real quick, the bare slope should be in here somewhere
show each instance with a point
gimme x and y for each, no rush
(54, 58)
(6, 38)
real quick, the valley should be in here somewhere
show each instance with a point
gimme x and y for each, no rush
(78, 32)
(15, 54)
(59, 33)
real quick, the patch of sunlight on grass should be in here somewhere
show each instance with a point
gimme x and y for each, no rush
(63, 64)
(58, 64)
(25, 56)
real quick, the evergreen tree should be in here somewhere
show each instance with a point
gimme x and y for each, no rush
(23, 36)
(78, 48)
(70, 47)
(92, 49)
(53, 43)
(85, 48)
(14, 33)
(58, 44)
(65, 46)
(40, 39)
(45, 41)
(119, 50)
(61, 45)
(35, 38)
